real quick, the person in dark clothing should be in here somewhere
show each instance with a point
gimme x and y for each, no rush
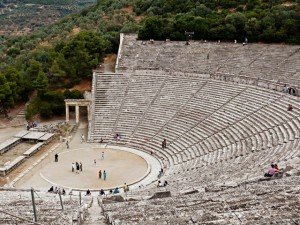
(102, 192)
(51, 189)
(56, 157)
(164, 144)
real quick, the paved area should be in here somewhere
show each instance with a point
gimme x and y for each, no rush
(122, 165)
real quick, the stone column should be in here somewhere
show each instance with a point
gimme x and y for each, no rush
(88, 112)
(67, 113)
(77, 113)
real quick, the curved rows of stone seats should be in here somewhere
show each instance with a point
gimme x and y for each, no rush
(257, 203)
(215, 130)
(265, 61)
(48, 207)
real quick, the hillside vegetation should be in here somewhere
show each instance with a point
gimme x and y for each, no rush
(19, 17)
(58, 56)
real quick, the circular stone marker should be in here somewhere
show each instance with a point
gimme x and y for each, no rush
(121, 167)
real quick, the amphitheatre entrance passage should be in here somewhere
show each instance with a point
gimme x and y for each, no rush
(77, 103)
(121, 167)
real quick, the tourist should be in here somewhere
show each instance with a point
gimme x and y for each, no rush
(158, 183)
(290, 107)
(285, 89)
(125, 188)
(117, 137)
(100, 174)
(276, 167)
(67, 143)
(165, 183)
(80, 166)
(51, 189)
(271, 171)
(77, 167)
(116, 191)
(73, 167)
(102, 156)
(101, 140)
(63, 192)
(292, 91)
(104, 175)
(102, 192)
(88, 192)
(95, 162)
(164, 144)
(82, 138)
(161, 172)
(56, 157)
(110, 191)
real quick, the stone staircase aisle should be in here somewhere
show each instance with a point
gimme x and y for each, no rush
(95, 215)
(19, 119)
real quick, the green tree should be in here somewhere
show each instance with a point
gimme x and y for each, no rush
(6, 94)
(252, 28)
(236, 23)
(55, 71)
(41, 82)
(33, 69)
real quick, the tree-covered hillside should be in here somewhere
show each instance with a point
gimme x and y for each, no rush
(19, 17)
(258, 20)
(61, 55)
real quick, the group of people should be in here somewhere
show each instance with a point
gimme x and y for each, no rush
(116, 190)
(102, 175)
(56, 190)
(289, 90)
(77, 167)
(273, 170)
(162, 184)
(31, 125)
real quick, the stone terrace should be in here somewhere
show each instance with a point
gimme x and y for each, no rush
(258, 203)
(47, 205)
(218, 134)
(274, 62)
(200, 126)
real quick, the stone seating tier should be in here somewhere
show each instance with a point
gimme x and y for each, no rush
(47, 205)
(265, 61)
